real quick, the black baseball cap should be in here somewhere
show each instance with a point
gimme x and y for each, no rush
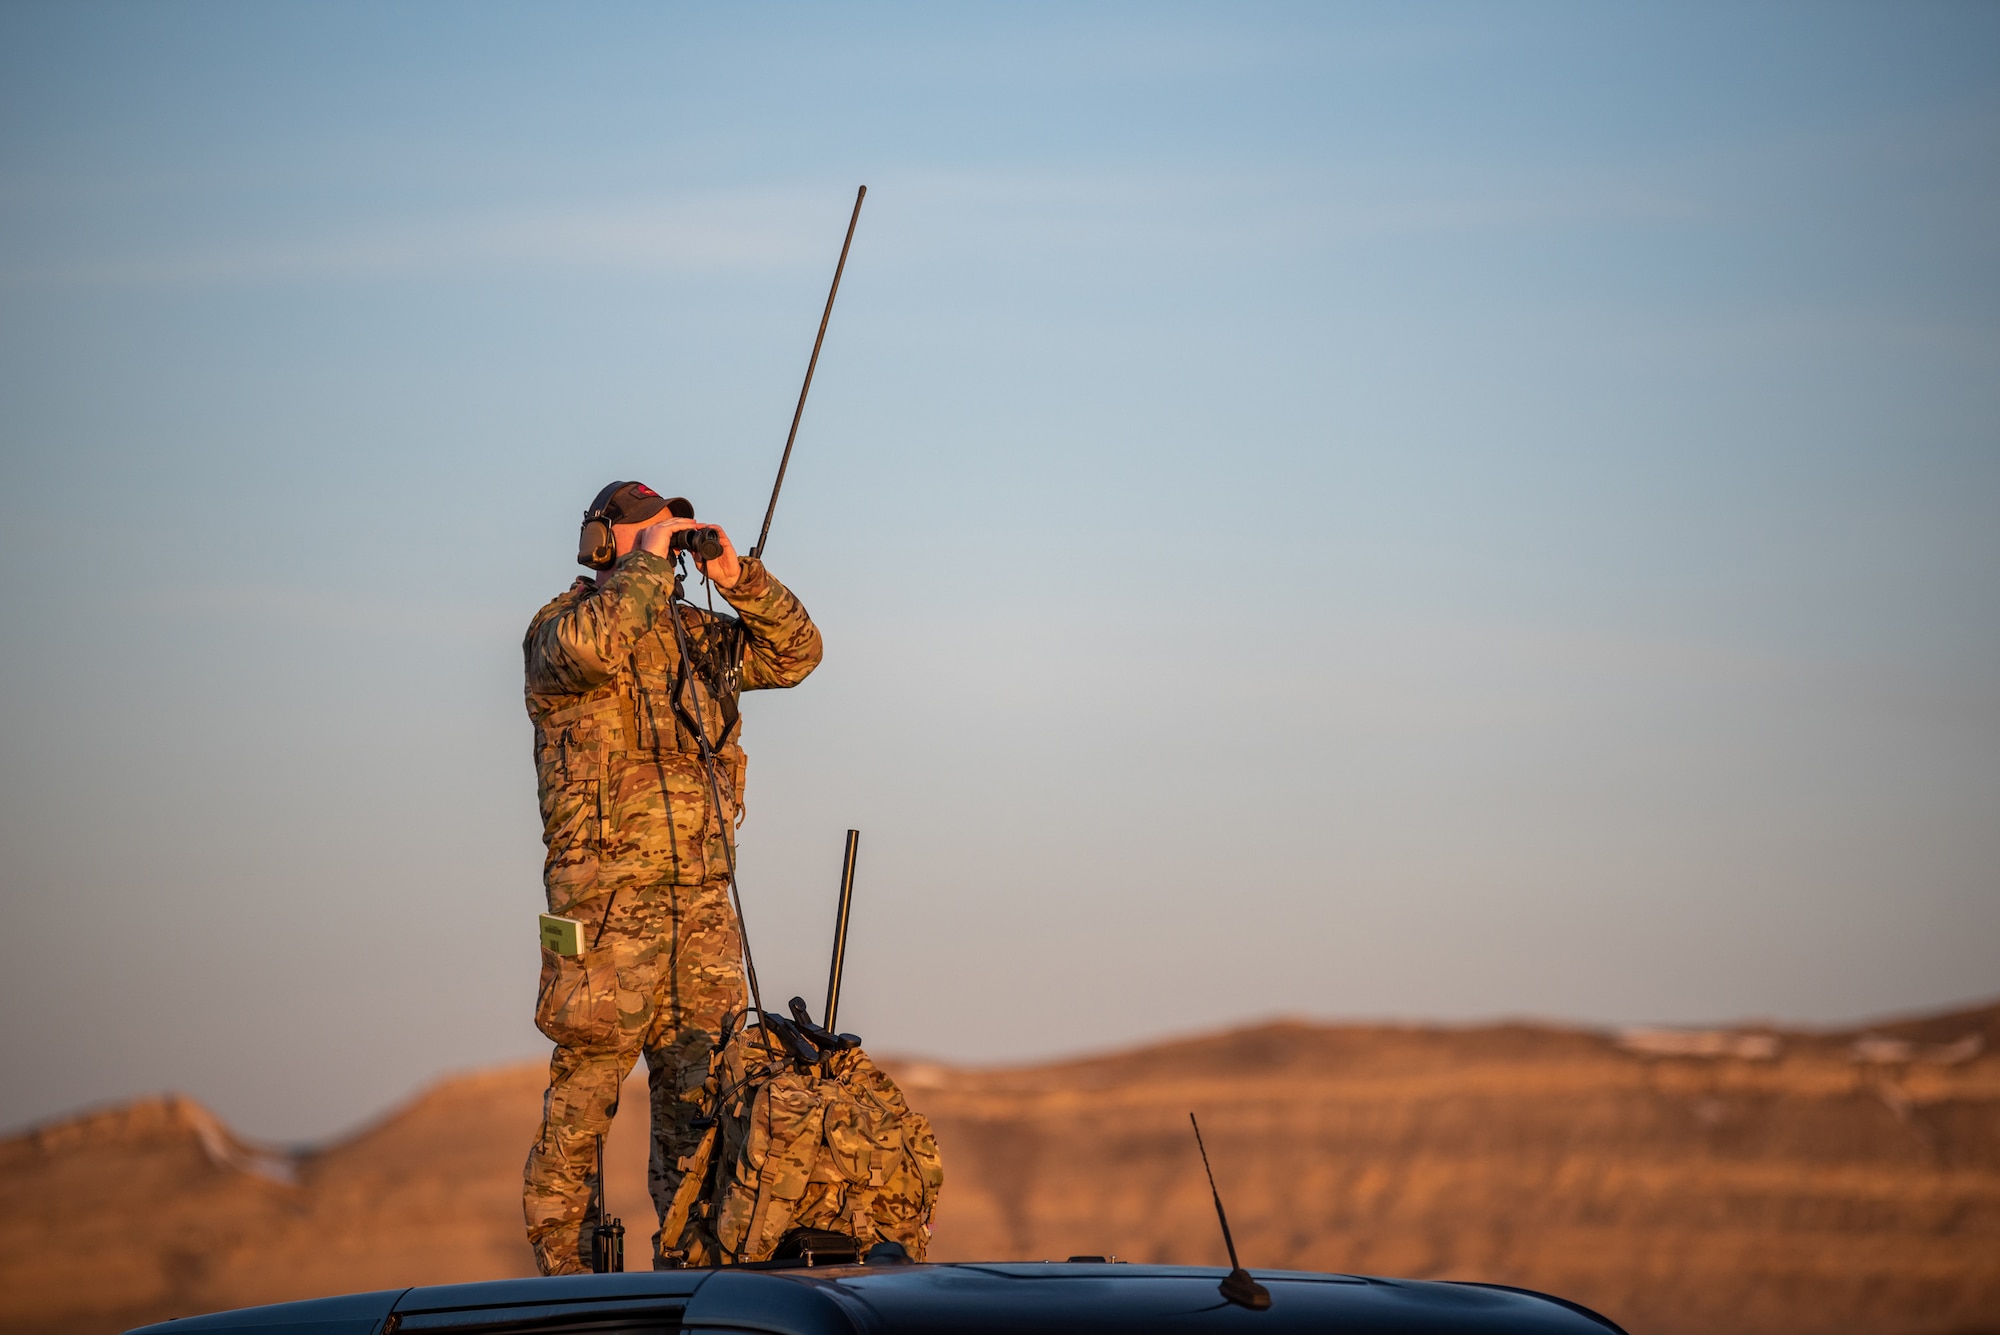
(631, 502)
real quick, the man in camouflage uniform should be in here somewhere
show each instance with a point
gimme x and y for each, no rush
(637, 850)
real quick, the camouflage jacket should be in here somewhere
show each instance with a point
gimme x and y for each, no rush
(625, 797)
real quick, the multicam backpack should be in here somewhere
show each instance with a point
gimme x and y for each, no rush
(806, 1141)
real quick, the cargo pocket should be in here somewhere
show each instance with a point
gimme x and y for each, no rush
(578, 1004)
(920, 1144)
(846, 1142)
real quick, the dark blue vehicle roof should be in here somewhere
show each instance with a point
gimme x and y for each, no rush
(984, 1299)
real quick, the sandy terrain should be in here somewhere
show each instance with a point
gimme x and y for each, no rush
(1732, 1182)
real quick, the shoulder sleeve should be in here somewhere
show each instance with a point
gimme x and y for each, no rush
(573, 643)
(782, 646)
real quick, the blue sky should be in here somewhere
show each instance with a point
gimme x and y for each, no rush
(1432, 512)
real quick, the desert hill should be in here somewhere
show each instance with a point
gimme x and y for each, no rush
(1734, 1182)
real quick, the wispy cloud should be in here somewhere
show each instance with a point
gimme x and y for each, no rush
(1355, 204)
(723, 233)
(1079, 213)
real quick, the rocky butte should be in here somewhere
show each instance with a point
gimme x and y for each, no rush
(1731, 1182)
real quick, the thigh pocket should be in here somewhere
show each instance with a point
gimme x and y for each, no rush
(578, 1002)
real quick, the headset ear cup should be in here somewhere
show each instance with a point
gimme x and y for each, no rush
(595, 546)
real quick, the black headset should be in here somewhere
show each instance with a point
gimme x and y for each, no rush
(596, 545)
(596, 548)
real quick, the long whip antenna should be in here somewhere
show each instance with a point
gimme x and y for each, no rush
(840, 929)
(764, 535)
(1237, 1286)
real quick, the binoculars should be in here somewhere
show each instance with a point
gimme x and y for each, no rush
(705, 544)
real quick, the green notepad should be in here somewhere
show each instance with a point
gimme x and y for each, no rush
(562, 935)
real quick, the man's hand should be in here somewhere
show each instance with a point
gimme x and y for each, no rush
(724, 570)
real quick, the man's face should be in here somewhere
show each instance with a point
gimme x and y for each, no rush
(624, 535)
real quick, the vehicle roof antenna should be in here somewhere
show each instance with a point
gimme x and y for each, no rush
(1237, 1286)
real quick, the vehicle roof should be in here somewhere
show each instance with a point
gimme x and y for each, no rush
(993, 1298)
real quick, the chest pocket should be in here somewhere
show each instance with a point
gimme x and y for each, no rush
(662, 726)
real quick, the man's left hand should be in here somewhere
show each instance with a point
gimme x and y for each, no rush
(723, 571)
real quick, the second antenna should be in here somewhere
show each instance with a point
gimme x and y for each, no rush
(840, 930)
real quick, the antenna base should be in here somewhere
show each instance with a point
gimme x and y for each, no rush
(1239, 1288)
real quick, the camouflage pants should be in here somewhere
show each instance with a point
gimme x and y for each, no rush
(679, 973)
